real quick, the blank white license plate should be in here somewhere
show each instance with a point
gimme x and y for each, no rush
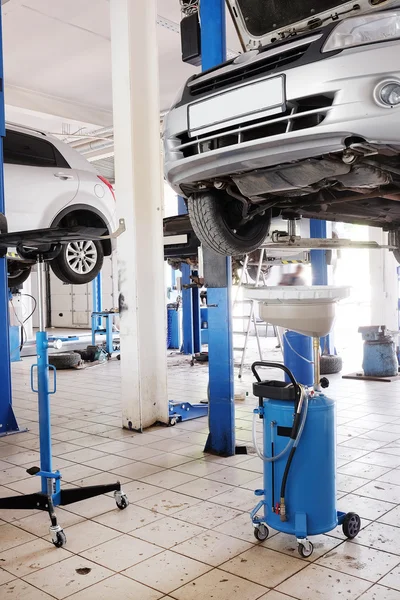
(251, 101)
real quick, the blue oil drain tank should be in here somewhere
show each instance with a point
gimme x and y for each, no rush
(380, 357)
(306, 503)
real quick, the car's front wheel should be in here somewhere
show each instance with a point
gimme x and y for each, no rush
(217, 221)
(78, 262)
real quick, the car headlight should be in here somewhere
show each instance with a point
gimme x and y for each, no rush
(356, 31)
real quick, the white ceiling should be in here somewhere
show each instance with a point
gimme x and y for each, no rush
(58, 67)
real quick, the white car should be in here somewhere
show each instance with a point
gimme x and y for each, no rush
(47, 183)
(306, 122)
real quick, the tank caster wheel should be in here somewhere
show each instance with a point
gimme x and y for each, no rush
(121, 500)
(58, 536)
(351, 525)
(261, 532)
(305, 549)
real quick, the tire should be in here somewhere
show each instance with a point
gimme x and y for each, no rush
(396, 254)
(213, 219)
(61, 265)
(330, 364)
(351, 525)
(18, 273)
(65, 360)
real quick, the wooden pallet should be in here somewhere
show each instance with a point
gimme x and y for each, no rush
(360, 375)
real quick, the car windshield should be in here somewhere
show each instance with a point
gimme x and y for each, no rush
(263, 16)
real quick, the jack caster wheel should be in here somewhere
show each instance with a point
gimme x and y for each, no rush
(351, 525)
(121, 500)
(261, 532)
(305, 551)
(59, 539)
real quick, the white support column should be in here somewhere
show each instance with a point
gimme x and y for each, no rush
(138, 176)
(384, 283)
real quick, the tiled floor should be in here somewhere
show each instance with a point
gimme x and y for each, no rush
(187, 534)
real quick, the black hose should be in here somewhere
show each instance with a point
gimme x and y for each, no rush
(284, 482)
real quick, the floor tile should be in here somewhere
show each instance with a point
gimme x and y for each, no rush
(20, 590)
(380, 491)
(122, 552)
(260, 564)
(219, 585)
(167, 571)
(392, 517)
(137, 470)
(368, 508)
(232, 476)
(127, 520)
(31, 557)
(212, 548)
(392, 477)
(209, 515)
(88, 534)
(168, 479)
(39, 523)
(92, 507)
(349, 483)
(137, 490)
(273, 595)
(238, 498)
(108, 462)
(359, 561)
(361, 469)
(381, 537)
(117, 586)
(168, 502)
(203, 489)
(76, 472)
(11, 536)
(392, 579)
(69, 576)
(200, 468)
(82, 455)
(317, 582)
(380, 459)
(5, 577)
(168, 532)
(379, 592)
(168, 461)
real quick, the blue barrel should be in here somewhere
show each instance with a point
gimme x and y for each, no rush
(311, 490)
(174, 332)
(380, 359)
(297, 348)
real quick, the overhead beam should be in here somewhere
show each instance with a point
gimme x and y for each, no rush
(58, 107)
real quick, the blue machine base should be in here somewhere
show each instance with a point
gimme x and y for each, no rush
(184, 411)
(10, 426)
(301, 530)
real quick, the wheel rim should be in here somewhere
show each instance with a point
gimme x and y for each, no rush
(353, 526)
(81, 257)
(232, 215)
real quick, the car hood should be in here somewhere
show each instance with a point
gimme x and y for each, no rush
(265, 21)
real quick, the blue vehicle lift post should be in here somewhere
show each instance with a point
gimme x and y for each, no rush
(221, 439)
(8, 422)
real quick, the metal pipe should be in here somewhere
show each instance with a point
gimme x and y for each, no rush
(40, 265)
(317, 373)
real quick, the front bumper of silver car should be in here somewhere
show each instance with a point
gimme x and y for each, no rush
(326, 102)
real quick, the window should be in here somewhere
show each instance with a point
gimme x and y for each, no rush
(22, 149)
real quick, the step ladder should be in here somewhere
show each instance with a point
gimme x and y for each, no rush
(251, 317)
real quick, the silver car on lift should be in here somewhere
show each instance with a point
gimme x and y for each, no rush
(306, 122)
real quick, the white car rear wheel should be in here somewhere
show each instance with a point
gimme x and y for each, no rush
(79, 262)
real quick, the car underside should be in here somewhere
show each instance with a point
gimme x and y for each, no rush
(362, 185)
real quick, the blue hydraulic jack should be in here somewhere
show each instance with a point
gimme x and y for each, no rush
(51, 494)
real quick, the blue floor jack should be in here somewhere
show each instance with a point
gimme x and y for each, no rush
(51, 494)
(299, 455)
